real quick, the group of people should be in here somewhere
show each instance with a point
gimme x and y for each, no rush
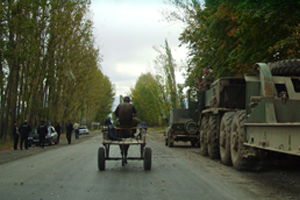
(24, 130)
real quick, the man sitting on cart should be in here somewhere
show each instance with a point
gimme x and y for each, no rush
(125, 112)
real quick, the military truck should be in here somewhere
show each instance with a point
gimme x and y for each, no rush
(248, 118)
(181, 127)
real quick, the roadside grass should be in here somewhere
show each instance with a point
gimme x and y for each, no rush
(6, 144)
(156, 129)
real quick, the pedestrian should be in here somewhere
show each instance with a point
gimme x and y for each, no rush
(76, 130)
(16, 134)
(42, 130)
(24, 130)
(57, 128)
(69, 128)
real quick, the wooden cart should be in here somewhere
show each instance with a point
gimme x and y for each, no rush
(139, 139)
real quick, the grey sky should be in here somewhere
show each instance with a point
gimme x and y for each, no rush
(126, 31)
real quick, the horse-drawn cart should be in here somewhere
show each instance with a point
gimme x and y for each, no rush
(139, 139)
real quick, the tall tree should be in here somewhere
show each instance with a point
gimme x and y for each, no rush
(166, 66)
(50, 68)
(230, 36)
(150, 100)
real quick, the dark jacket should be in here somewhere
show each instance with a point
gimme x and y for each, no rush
(57, 128)
(25, 128)
(69, 127)
(111, 130)
(42, 129)
(15, 130)
(125, 113)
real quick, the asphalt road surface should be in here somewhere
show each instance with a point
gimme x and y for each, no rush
(71, 172)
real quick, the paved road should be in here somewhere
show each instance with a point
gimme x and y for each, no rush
(71, 172)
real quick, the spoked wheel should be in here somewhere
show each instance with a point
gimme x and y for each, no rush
(203, 136)
(237, 148)
(212, 137)
(147, 158)
(225, 129)
(101, 159)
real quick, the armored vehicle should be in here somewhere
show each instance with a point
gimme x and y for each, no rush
(181, 127)
(250, 117)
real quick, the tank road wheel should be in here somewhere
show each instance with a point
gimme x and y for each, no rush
(203, 137)
(237, 149)
(213, 137)
(286, 67)
(147, 158)
(225, 129)
(101, 159)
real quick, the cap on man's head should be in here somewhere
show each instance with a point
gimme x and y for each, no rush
(126, 99)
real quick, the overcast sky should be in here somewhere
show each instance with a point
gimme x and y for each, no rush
(126, 31)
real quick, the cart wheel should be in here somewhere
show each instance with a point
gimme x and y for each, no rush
(101, 159)
(147, 158)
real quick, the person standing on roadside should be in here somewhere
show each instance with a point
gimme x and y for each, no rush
(24, 130)
(76, 130)
(42, 130)
(16, 134)
(69, 128)
(204, 85)
(57, 128)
